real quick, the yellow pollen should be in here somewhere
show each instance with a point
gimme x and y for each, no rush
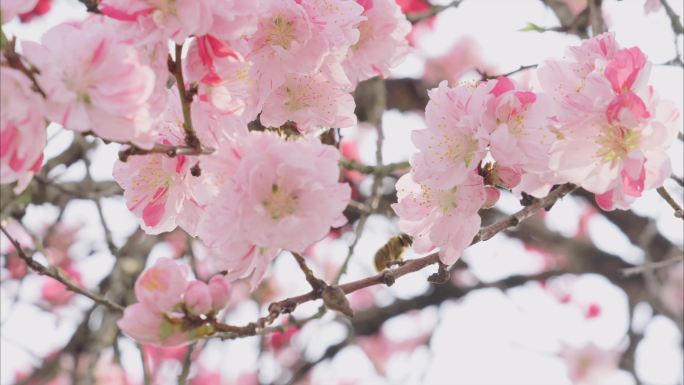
(616, 142)
(281, 32)
(281, 203)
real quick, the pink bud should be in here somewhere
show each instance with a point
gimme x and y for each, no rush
(492, 195)
(219, 286)
(507, 177)
(197, 297)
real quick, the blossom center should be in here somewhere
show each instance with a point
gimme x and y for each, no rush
(616, 142)
(296, 100)
(280, 203)
(459, 148)
(281, 32)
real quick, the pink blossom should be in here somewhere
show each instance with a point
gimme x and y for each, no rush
(159, 189)
(41, 8)
(382, 41)
(233, 19)
(226, 80)
(380, 348)
(161, 287)
(284, 195)
(280, 340)
(443, 218)
(465, 55)
(613, 130)
(154, 355)
(147, 325)
(58, 240)
(311, 102)
(652, 6)
(455, 139)
(11, 8)
(286, 41)
(55, 292)
(176, 20)
(205, 377)
(109, 372)
(576, 6)
(219, 287)
(492, 195)
(521, 129)
(197, 297)
(102, 87)
(413, 6)
(338, 21)
(22, 129)
(589, 364)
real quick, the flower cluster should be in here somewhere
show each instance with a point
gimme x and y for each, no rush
(293, 62)
(598, 125)
(614, 131)
(172, 309)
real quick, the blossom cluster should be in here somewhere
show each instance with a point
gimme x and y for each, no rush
(238, 105)
(598, 124)
(279, 63)
(171, 308)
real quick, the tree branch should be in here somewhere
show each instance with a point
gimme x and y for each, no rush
(386, 277)
(673, 203)
(57, 275)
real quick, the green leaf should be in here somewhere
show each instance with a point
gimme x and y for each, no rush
(531, 27)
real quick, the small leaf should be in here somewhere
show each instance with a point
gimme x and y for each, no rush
(531, 27)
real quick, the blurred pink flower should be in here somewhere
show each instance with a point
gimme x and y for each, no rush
(22, 129)
(465, 55)
(652, 6)
(589, 364)
(41, 8)
(11, 8)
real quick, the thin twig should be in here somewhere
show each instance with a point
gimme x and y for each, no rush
(169, 150)
(317, 284)
(190, 137)
(652, 266)
(374, 170)
(16, 61)
(486, 76)
(57, 274)
(673, 203)
(386, 277)
(187, 362)
(375, 118)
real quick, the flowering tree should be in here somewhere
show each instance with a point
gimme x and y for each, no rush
(240, 221)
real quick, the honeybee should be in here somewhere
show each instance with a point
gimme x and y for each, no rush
(392, 252)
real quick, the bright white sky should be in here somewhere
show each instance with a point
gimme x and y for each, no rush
(488, 338)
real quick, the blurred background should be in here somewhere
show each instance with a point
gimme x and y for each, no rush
(552, 301)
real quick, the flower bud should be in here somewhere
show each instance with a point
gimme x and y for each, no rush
(219, 287)
(198, 297)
